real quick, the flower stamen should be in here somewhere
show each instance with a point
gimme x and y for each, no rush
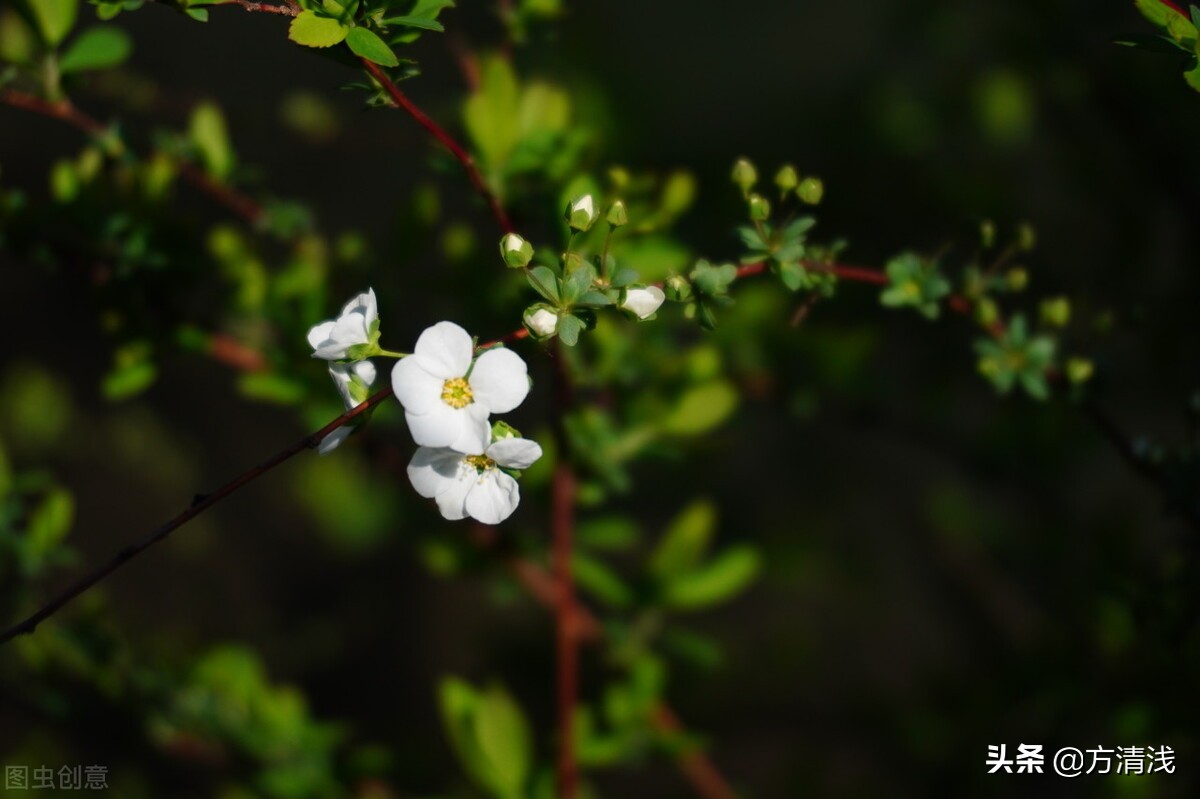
(481, 463)
(457, 393)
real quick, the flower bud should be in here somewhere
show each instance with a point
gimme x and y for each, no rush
(617, 215)
(643, 302)
(677, 288)
(581, 213)
(1056, 311)
(1017, 278)
(744, 174)
(541, 322)
(787, 178)
(760, 208)
(516, 251)
(1080, 370)
(810, 190)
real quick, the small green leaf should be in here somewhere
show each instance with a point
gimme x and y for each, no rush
(504, 739)
(49, 523)
(686, 541)
(544, 282)
(128, 380)
(569, 328)
(54, 18)
(97, 48)
(701, 408)
(313, 30)
(595, 577)
(211, 139)
(366, 44)
(717, 581)
(415, 22)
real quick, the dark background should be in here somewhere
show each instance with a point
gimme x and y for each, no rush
(945, 570)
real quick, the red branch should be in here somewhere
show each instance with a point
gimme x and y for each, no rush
(445, 139)
(562, 527)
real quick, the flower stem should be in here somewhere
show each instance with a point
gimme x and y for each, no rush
(389, 354)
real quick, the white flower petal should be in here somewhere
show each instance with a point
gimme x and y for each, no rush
(500, 380)
(463, 429)
(493, 498)
(334, 440)
(436, 428)
(417, 389)
(340, 373)
(351, 329)
(476, 432)
(444, 350)
(319, 335)
(515, 453)
(451, 502)
(434, 471)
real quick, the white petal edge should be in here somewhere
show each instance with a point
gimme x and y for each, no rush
(334, 440)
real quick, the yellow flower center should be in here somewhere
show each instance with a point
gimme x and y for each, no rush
(481, 462)
(457, 393)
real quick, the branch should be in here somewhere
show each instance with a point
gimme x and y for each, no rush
(562, 525)
(201, 503)
(445, 139)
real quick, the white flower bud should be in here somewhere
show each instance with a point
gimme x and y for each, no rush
(643, 302)
(516, 251)
(543, 323)
(581, 213)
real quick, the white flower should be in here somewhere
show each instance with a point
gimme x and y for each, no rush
(473, 485)
(332, 339)
(353, 382)
(643, 302)
(542, 322)
(446, 398)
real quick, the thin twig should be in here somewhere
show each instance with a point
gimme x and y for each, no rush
(200, 504)
(445, 139)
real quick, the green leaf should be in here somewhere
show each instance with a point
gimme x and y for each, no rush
(595, 577)
(490, 114)
(313, 30)
(607, 534)
(544, 282)
(686, 541)
(366, 44)
(422, 10)
(97, 48)
(720, 579)
(211, 140)
(504, 739)
(54, 18)
(415, 22)
(577, 283)
(49, 524)
(569, 328)
(701, 408)
(128, 380)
